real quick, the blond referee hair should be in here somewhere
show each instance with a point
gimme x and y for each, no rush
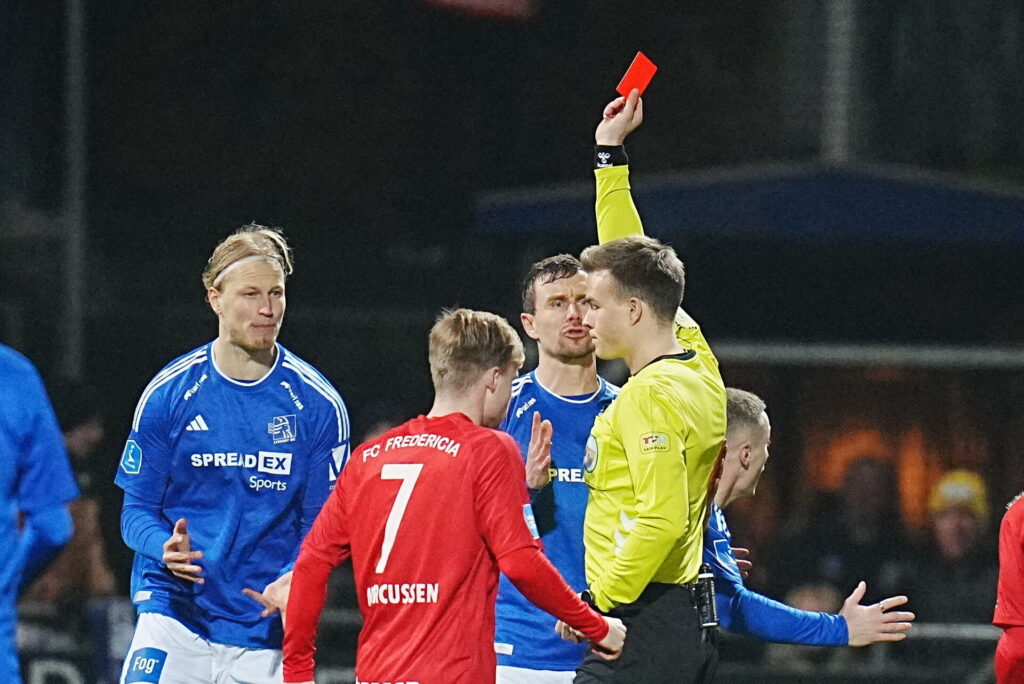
(465, 343)
(251, 240)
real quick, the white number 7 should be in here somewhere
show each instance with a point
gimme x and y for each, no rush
(408, 473)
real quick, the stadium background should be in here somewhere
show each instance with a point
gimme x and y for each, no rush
(845, 182)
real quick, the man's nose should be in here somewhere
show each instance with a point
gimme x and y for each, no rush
(267, 306)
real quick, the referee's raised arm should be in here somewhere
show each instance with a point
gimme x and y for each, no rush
(616, 214)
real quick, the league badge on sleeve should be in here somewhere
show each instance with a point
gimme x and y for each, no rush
(531, 521)
(590, 455)
(131, 458)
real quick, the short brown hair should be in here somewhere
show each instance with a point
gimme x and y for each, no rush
(250, 240)
(547, 271)
(643, 268)
(464, 343)
(743, 409)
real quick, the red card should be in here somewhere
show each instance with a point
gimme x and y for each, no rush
(638, 75)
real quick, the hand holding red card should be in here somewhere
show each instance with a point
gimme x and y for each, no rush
(638, 76)
(621, 117)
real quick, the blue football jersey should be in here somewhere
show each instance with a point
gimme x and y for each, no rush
(743, 611)
(247, 464)
(525, 635)
(34, 469)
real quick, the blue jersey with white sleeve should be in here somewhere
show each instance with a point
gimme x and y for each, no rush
(743, 611)
(524, 635)
(248, 465)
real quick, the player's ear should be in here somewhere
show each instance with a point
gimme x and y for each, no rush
(635, 311)
(213, 297)
(744, 454)
(528, 327)
(491, 376)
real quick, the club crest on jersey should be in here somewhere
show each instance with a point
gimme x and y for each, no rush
(131, 458)
(282, 429)
(590, 455)
(653, 441)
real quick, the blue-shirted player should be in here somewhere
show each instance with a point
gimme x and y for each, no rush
(36, 482)
(234, 447)
(743, 611)
(566, 391)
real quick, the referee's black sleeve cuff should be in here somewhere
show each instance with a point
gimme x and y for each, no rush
(609, 155)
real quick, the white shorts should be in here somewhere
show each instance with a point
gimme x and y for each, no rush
(520, 675)
(164, 650)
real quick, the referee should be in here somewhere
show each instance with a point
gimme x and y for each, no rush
(650, 456)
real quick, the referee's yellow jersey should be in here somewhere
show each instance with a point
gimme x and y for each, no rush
(650, 454)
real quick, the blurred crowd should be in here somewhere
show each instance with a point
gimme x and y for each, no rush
(949, 569)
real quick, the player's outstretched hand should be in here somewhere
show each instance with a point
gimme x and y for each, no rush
(274, 596)
(538, 454)
(868, 624)
(621, 117)
(742, 557)
(179, 556)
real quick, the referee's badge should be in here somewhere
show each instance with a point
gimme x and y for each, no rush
(590, 456)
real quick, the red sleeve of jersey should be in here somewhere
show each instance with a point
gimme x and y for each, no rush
(501, 497)
(326, 546)
(1009, 610)
(532, 574)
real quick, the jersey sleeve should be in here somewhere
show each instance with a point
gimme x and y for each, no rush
(326, 546)
(743, 611)
(145, 461)
(503, 511)
(617, 216)
(1009, 610)
(329, 451)
(44, 472)
(539, 581)
(653, 443)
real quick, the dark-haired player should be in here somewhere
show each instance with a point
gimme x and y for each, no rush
(567, 393)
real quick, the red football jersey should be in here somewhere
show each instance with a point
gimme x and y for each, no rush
(1010, 597)
(423, 511)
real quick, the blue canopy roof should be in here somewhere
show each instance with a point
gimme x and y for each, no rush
(783, 201)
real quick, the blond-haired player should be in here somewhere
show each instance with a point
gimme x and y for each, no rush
(429, 512)
(233, 449)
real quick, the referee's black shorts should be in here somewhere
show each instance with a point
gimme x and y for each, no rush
(665, 643)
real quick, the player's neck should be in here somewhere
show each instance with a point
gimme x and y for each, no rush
(470, 403)
(568, 378)
(242, 364)
(725, 494)
(650, 344)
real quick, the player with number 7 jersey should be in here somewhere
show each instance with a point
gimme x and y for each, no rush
(429, 512)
